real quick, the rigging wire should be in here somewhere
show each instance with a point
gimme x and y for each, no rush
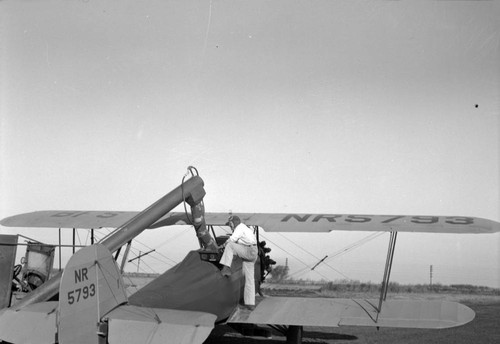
(175, 237)
(304, 263)
(87, 237)
(78, 236)
(336, 254)
(134, 250)
(141, 268)
(159, 253)
(281, 248)
(293, 243)
(354, 245)
(324, 261)
(171, 263)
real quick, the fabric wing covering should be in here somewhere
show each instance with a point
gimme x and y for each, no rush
(132, 324)
(268, 221)
(40, 316)
(331, 312)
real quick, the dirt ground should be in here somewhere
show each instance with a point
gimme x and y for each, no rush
(485, 328)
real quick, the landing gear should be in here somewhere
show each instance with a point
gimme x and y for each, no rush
(294, 335)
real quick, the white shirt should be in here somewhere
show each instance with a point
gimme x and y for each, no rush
(243, 235)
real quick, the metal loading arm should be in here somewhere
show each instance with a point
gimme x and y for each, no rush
(195, 201)
(192, 191)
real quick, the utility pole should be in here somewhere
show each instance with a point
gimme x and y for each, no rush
(430, 275)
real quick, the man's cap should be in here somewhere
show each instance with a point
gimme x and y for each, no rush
(233, 219)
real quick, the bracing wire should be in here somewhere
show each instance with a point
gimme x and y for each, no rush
(354, 245)
(336, 254)
(301, 261)
(298, 246)
(175, 237)
(312, 255)
(78, 236)
(87, 237)
(133, 250)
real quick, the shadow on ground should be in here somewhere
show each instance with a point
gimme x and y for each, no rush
(224, 334)
(329, 336)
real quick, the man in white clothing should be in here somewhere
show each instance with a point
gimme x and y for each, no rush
(243, 244)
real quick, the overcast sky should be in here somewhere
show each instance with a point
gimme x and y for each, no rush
(283, 106)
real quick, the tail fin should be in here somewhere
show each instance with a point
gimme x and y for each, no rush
(91, 286)
(8, 247)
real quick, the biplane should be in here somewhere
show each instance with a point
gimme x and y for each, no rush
(87, 302)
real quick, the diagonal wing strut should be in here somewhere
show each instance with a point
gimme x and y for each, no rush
(387, 271)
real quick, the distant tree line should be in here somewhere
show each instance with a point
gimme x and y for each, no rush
(279, 274)
(395, 287)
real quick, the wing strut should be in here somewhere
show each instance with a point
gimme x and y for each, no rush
(387, 271)
(125, 256)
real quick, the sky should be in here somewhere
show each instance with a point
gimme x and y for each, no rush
(283, 106)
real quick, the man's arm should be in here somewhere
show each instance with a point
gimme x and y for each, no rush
(237, 234)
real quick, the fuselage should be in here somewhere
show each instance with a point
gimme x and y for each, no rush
(194, 285)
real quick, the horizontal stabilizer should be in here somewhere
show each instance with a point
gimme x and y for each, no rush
(133, 324)
(331, 312)
(268, 221)
(41, 318)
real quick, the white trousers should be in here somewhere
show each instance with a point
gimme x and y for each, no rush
(249, 255)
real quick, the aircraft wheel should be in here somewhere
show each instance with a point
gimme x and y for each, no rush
(294, 335)
(34, 280)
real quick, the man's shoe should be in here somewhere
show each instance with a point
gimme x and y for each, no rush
(226, 271)
(249, 307)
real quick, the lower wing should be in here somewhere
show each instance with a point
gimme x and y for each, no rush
(331, 312)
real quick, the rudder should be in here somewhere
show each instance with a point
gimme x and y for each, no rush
(91, 286)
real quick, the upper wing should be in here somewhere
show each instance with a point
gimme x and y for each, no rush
(91, 219)
(69, 219)
(332, 312)
(269, 222)
(349, 222)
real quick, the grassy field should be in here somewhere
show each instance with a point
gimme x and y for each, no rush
(485, 328)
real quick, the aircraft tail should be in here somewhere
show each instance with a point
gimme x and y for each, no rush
(93, 309)
(8, 247)
(91, 286)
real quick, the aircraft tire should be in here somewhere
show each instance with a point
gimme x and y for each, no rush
(294, 335)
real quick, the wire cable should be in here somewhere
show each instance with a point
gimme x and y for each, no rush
(301, 261)
(312, 255)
